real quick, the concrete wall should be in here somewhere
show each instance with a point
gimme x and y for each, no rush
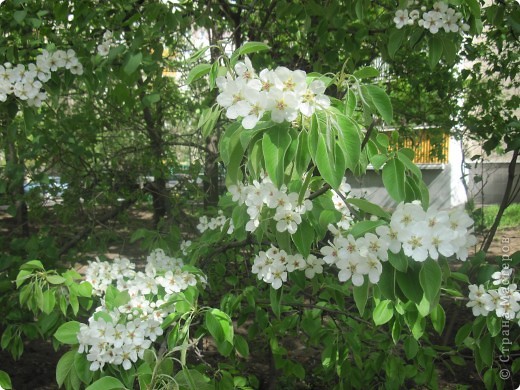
(443, 181)
(490, 188)
(438, 178)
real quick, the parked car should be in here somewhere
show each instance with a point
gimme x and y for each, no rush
(51, 192)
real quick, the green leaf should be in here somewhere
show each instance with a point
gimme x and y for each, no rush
(435, 51)
(303, 238)
(302, 157)
(450, 51)
(363, 227)
(438, 317)
(394, 179)
(5, 381)
(234, 171)
(350, 103)
(49, 301)
(366, 72)
(19, 16)
(348, 139)
(231, 151)
(252, 47)
(360, 297)
(144, 373)
(383, 312)
(396, 331)
(275, 143)
(395, 39)
(399, 261)
(82, 368)
(37, 295)
(84, 289)
(133, 63)
(151, 99)
(383, 140)
(425, 194)
(409, 164)
(106, 383)
(430, 278)
(328, 156)
(378, 160)
(33, 265)
(208, 120)
(409, 284)
(386, 282)
(64, 366)
(381, 102)
(213, 74)
(275, 297)
(191, 379)
(55, 279)
(115, 298)
(116, 51)
(418, 327)
(30, 117)
(494, 325)
(199, 53)
(213, 326)
(197, 72)
(411, 347)
(486, 350)
(7, 336)
(368, 207)
(458, 360)
(68, 333)
(423, 307)
(220, 327)
(474, 6)
(463, 333)
(22, 276)
(73, 300)
(241, 345)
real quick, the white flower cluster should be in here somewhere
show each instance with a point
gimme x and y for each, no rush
(339, 204)
(421, 234)
(217, 222)
(185, 247)
(358, 257)
(101, 274)
(108, 42)
(504, 301)
(120, 336)
(282, 92)
(120, 339)
(288, 210)
(273, 265)
(26, 83)
(429, 233)
(160, 270)
(440, 17)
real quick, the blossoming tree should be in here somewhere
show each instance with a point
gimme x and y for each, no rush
(291, 254)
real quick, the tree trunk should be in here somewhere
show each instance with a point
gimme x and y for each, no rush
(211, 181)
(506, 201)
(15, 175)
(211, 171)
(158, 190)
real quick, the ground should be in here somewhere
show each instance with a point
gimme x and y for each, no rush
(36, 369)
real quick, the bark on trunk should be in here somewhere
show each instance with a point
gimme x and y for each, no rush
(15, 175)
(158, 190)
(211, 182)
(506, 201)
